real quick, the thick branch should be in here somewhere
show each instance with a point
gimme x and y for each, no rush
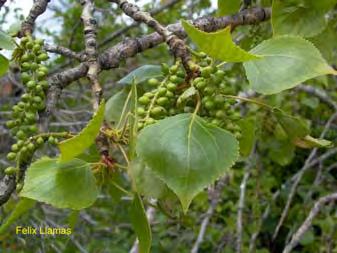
(90, 26)
(38, 8)
(308, 221)
(123, 30)
(176, 44)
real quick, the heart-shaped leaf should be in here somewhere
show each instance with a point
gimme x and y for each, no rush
(78, 144)
(287, 61)
(62, 185)
(218, 45)
(187, 154)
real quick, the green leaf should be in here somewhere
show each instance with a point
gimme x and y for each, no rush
(218, 45)
(227, 7)
(145, 181)
(187, 154)
(141, 224)
(304, 18)
(311, 142)
(79, 143)
(4, 65)
(287, 61)
(293, 126)
(6, 41)
(141, 74)
(281, 151)
(248, 127)
(61, 184)
(23, 206)
(117, 107)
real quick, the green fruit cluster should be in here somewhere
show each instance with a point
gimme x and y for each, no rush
(167, 98)
(23, 123)
(160, 101)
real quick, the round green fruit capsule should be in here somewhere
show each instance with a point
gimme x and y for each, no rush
(219, 100)
(209, 90)
(11, 156)
(206, 71)
(31, 84)
(31, 147)
(141, 111)
(30, 116)
(153, 82)
(162, 101)
(25, 97)
(33, 129)
(19, 187)
(200, 85)
(181, 74)
(11, 170)
(140, 125)
(52, 140)
(171, 86)
(20, 135)
(36, 48)
(209, 104)
(29, 45)
(34, 66)
(41, 75)
(149, 121)
(42, 57)
(169, 94)
(144, 100)
(220, 114)
(162, 91)
(158, 111)
(40, 141)
(176, 79)
(216, 122)
(10, 124)
(15, 148)
(38, 88)
(149, 94)
(24, 40)
(20, 143)
(174, 69)
(25, 66)
(37, 99)
(25, 77)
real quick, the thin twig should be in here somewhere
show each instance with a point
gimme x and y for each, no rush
(307, 164)
(308, 221)
(214, 196)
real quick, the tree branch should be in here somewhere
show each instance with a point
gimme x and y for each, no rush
(176, 44)
(90, 26)
(307, 164)
(38, 8)
(214, 197)
(308, 221)
(64, 51)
